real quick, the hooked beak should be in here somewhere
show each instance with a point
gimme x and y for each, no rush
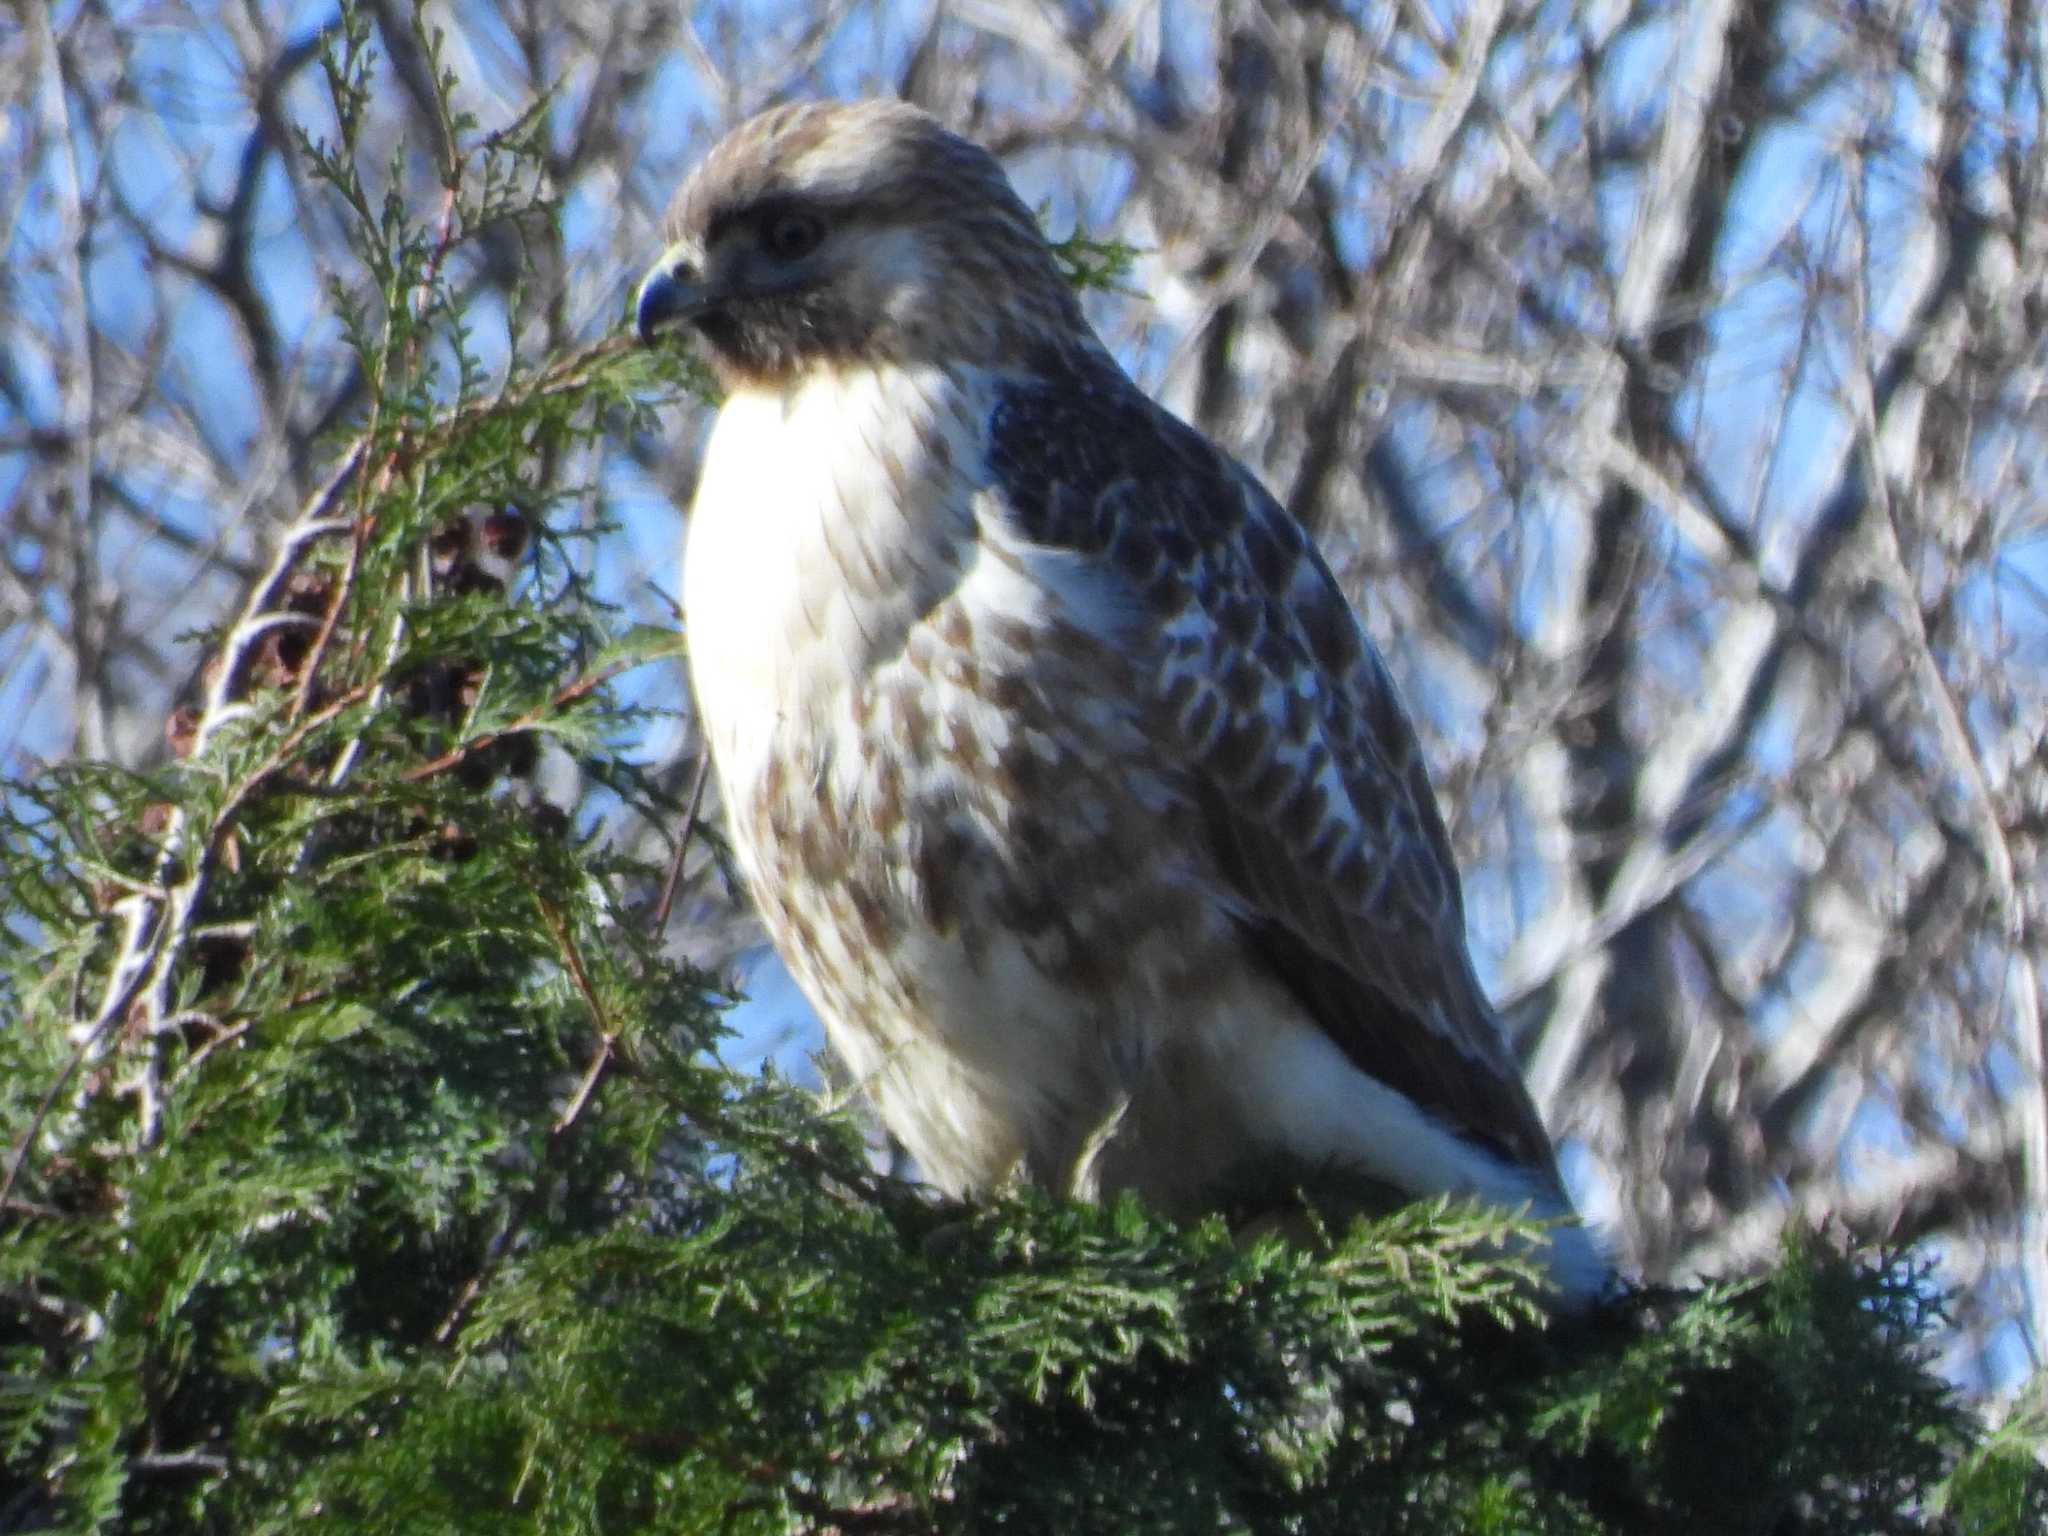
(670, 295)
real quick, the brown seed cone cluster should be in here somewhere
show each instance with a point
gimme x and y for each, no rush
(477, 553)
(474, 554)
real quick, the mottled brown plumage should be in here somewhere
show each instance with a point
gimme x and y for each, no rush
(1065, 780)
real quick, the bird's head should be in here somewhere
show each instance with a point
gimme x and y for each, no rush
(830, 235)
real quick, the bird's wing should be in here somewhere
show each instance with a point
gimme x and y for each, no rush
(1279, 718)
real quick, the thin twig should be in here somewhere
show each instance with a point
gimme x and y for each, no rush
(18, 1157)
(674, 880)
(572, 959)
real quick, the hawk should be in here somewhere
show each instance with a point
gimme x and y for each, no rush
(1063, 777)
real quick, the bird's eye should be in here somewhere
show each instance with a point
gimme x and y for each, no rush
(792, 234)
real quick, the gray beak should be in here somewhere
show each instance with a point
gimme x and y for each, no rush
(670, 295)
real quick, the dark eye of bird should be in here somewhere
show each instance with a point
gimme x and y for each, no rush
(792, 233)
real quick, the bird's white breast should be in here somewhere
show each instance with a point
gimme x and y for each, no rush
(826, 519)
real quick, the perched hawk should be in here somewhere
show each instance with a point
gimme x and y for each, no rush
(1064, 778)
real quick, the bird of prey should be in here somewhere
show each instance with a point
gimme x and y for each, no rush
(1062, 775)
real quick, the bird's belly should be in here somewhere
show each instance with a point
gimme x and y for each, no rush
(917, 909)
(988, 1066)
(992, 933)
(982, 1066)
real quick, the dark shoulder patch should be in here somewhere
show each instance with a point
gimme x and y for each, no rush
(1069, 443)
